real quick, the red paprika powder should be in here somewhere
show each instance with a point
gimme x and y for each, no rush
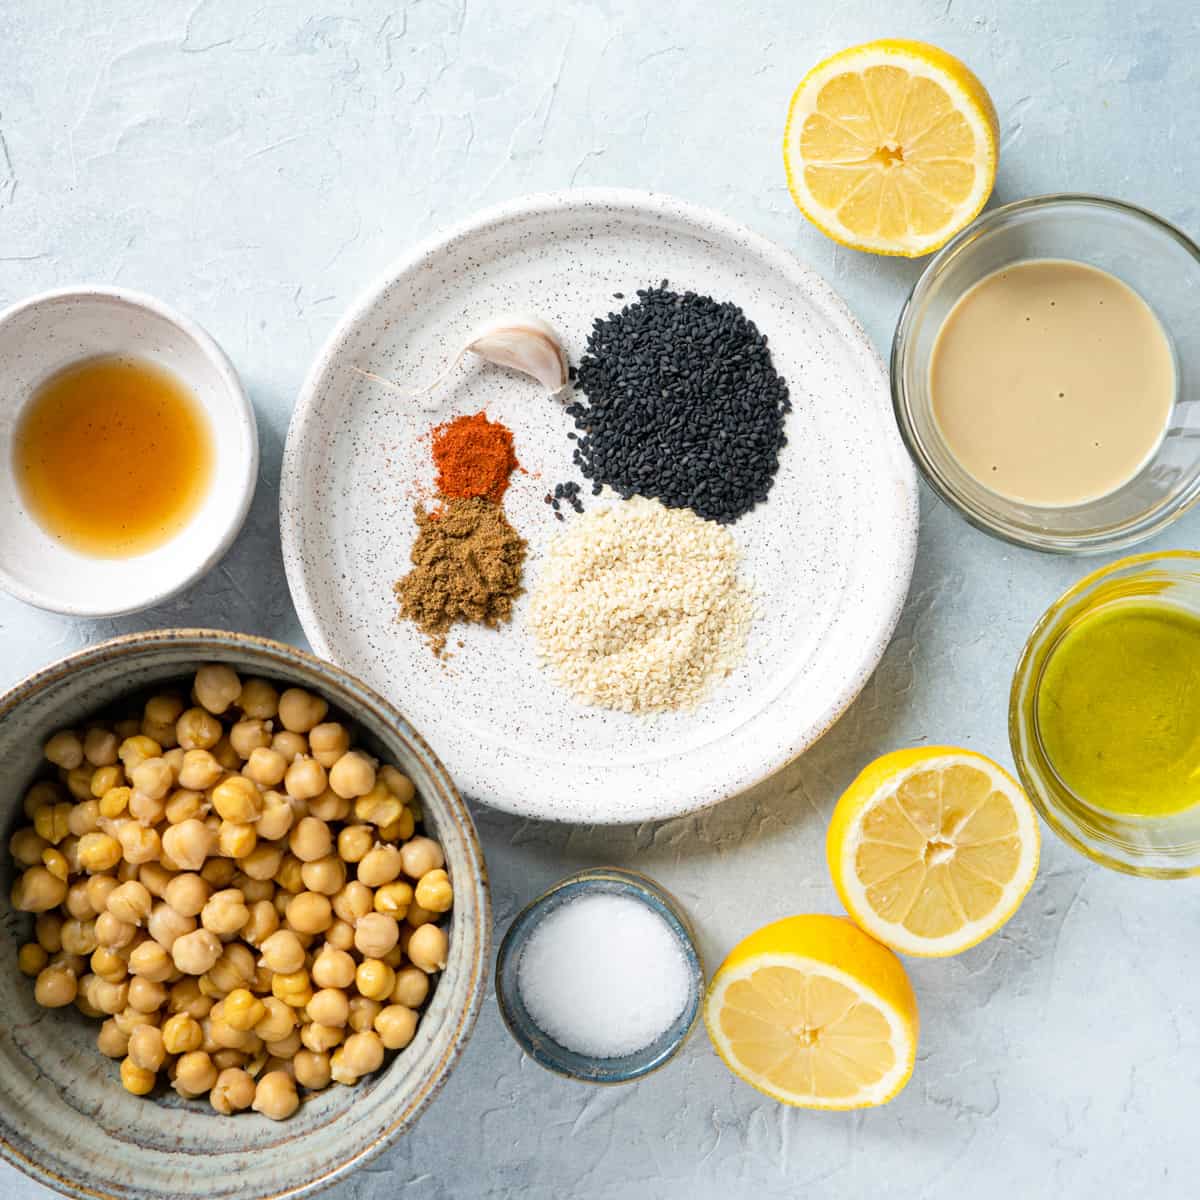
(473, 457)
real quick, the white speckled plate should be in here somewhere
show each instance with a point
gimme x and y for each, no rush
(830, 554)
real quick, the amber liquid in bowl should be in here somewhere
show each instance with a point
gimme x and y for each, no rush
(113, 456)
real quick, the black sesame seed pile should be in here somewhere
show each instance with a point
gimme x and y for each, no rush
(682, 403)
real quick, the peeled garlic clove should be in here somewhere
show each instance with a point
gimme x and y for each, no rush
(525, 344)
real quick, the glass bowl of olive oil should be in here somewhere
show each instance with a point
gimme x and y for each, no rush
(1104, 715)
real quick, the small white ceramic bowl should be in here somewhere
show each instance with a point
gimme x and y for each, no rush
(48, 332)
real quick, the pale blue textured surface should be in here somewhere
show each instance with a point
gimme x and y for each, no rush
(256, 166)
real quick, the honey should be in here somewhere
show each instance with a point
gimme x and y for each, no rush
(113, 456)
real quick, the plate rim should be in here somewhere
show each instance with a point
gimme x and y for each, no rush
(637, 202)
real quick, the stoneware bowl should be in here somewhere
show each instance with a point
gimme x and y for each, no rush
(65, 1118)
(42, 335)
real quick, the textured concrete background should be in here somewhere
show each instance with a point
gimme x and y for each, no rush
(256, 165)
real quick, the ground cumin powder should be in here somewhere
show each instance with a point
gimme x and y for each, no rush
(467, 562)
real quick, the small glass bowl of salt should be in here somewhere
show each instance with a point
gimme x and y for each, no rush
(599, 979)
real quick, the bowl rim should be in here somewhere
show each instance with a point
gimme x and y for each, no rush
(1021, 722)
(391, 717)
(240, 407)
(1046, 543)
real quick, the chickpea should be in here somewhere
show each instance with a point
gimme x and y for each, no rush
(263, 861)
(79, 937)
(361, 1054)
(340, 935)
(363, 1013)
(139, 844)
(418, 916)
(235, 968)
(108, 964)
(249, 735)
(38, 891)
(299, 710)
(261, 923)
(218, 872)
(283, 953)
(185, 804)
(277, 817)
(64, 749)
(427, 948)
(26, 847)
(265, 766)
(51, 821)
(332, 969)
(136, 749)
(399, 830)
(322, 1038)
(216, 687)
(352, 775)
(235, 840)
(304, 778)
(237, 799)
(374, 979)
(253, 890)
(378, 806)
(48, 931)
(380, 865)
(186, 998)
(353, 842)
(292, 988)
(225, 913)
(290, 874)
(433, 891)
(310, 839)
(325, 875)
(77, 903)
(396, 1026)
(110, 1041)
(398, 784)
(312, 1069)
(277, 1020)
(275, 1096)
(394, 899)
(328, 742)
(136, 1080)
(259, 699)
(188, 844)
(110, 998)
(181, 1034)
(329, 806)
(329, 1006)
(56, 863)
(68, 962)
(31, 959)
(199, 771)
(420, 856)
(79, 781)
(353, 901)
(150, 961)
(290, 745)
(195, 1074)
(146, 1048)
(233, 1091)
(225, 1036)
(85, 816)
(197, 730)
(100, 746)
(130, 902)
(152, 777)
(375, 934)
(98, 889)
(195, 953)
(145, 995)
(187, 894)
(412, 987)
(115, 801)
(310, 912)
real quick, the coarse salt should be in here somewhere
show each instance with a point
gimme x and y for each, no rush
(604, 975)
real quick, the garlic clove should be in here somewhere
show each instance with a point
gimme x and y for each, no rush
(525, 344)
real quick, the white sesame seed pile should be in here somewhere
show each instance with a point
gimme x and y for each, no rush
(639, 607)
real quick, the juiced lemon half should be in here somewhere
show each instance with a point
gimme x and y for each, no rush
(933, 849)
(813, 1012)
(891, 147)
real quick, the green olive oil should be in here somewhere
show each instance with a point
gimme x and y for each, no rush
(1118, 708)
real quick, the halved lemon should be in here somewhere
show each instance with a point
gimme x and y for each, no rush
(891, 147)
(933, 849)
(813, 1012)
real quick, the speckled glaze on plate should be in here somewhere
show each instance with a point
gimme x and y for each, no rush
(65, 1118)
(830, 554)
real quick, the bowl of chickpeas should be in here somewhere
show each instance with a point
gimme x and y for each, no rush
(248, 922)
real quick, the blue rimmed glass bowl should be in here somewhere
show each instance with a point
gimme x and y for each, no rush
(538, 1044)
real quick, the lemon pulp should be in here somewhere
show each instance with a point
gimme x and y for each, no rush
(1118, 708)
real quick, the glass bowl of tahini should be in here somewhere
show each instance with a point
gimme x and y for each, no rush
(1104, 715)
(1046, 373)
